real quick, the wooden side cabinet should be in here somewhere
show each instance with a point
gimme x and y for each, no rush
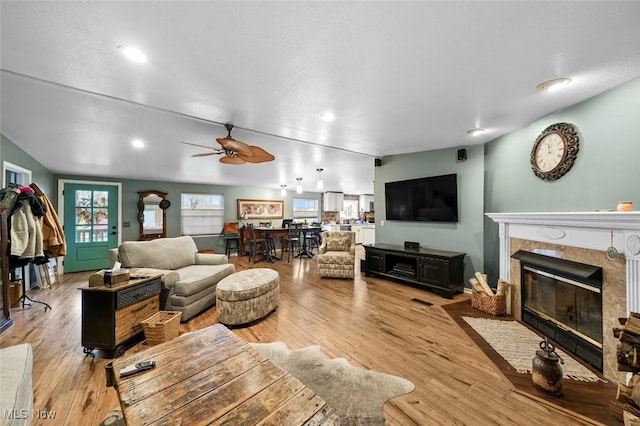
(111, 316)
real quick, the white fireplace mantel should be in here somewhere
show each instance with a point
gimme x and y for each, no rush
(591, 230)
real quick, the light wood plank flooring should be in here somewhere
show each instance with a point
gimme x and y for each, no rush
(371, 322)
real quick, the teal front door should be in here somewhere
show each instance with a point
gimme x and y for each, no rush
(90, 225)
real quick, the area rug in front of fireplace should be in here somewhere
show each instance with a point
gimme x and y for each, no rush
(356, 392)
(517, 345)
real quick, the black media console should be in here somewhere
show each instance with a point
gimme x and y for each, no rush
(441, 271)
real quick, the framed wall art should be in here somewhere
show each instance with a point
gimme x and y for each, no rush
(260, 209)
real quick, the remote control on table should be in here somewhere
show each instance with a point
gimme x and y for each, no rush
(137, 368)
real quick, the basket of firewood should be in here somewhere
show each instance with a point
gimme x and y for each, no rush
(484, 299)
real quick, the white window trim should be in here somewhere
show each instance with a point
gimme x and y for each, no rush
(14, 168)
(61, 184)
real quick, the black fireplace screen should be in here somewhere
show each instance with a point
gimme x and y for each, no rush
(575, 307)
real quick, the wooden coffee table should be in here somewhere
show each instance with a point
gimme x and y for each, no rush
(212, 376)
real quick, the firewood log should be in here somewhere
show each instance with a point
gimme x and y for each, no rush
(624, 393)
(635, 394)
(632, 325)
(503, 286)
(627, 357)
(633, 409)
(626, 368)
(630, 419)
(476, 285)
(629, 338)
(483, 282)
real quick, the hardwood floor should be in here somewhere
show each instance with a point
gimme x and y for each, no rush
(371, 322)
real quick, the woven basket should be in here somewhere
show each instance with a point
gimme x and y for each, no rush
(494, 305)
(161, 327)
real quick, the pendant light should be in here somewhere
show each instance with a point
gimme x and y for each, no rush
(283, 190)
(299, 187)
(320, 184)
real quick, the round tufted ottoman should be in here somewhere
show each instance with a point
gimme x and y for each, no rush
(247, 295)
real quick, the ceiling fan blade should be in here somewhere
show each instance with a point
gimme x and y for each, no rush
(259, 155)
(206, 154)
(232, 160)
(201, 146)
(231, 144)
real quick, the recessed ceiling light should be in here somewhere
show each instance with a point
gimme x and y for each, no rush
(475, 131)
(327, 116)
(133, 53)
(553, 84)
(137, 143)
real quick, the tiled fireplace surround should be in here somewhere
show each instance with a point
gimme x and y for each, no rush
(580, 237)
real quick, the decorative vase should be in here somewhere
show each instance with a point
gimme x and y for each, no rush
(625, 206)
(546, 372)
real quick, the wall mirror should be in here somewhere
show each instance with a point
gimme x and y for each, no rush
(152, 217)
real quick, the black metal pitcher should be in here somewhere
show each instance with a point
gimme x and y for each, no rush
(546, 372)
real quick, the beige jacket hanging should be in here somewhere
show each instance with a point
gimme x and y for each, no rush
(53, 240)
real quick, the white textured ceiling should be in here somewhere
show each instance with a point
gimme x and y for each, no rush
(400, 77)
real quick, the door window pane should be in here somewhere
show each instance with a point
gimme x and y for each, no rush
(100, 198)
(92, 216)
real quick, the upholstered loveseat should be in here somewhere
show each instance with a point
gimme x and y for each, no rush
(336, 256)
(189, 278)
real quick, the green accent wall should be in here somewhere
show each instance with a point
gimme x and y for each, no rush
(465, 236)
(606, 171)
(130, 188)
(39, 174)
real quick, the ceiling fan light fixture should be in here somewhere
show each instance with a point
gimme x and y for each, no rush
(299, 186)
(283, 190)
(554, 84)
(319, 184)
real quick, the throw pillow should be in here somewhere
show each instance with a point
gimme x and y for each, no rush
(338, 243)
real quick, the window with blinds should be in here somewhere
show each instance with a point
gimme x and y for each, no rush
(306, 209)
(202, 214)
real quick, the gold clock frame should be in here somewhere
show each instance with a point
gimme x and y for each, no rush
(569, 136)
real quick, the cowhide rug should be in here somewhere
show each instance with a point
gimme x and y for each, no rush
(353, 391)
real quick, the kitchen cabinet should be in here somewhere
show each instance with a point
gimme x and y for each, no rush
(368, 235)
(358, 230)
(332, 201)
(366, 203)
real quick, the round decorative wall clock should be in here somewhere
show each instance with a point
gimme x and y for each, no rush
(554, 151)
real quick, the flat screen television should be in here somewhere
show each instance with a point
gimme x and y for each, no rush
(431, 199)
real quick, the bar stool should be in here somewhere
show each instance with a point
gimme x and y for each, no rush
(232, 243)
(256, 245)
(231, 236)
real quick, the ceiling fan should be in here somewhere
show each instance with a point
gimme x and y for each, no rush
(235, 152)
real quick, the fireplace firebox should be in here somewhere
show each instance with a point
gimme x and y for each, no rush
(563, 300)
